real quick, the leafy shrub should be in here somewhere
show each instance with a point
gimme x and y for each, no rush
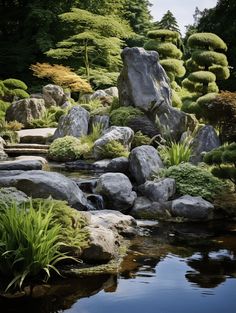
(29, 245)
(122, 115)
(175, 153)
(140, 139)
(48, 119)
(113, 149)
(67, 148)
(173, 66)
(194, 181)
(13, 88)
(224, 158)
(8, 130)
(57, 112)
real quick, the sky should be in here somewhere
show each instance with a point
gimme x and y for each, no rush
(183, 10)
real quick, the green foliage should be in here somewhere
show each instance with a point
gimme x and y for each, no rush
(8, 130)
(221, 72)
(12, 88)
(194, 181)
(208, 58)
(12, 83)
(169, 22)
(225, 159)
(48, 119)
(173, 66)
(176, 100)
(63, 149)
(204, 77)
(3, 108)
(140, 139)
(122, 115)
(164, 35)
(29, 246)
(102, 78)
(206, 41)
(113, 149)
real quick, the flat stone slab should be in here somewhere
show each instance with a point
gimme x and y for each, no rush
(36, 135)
(25, 151)
(24, 165)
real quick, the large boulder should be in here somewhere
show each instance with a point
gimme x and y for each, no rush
(116, 190)
(144, 84)
(146, 209)
(75, 123)
(25, 110)
(41, 184)
(192, 208)
(205, 140)
(123, 135)
(143, 161)
(103, 120)
(3, 155)
(54, 95)
(159, 191)
(24, 165)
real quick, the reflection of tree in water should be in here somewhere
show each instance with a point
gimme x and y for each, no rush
(211, 269)
(63, 295)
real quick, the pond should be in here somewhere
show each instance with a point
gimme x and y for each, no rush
(176, 269)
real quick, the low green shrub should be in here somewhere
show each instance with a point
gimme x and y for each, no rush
(140, 139)
(122, 115)
(8, 131)
(113, 149)
(29, 246)
(13, 83)
(193, 180)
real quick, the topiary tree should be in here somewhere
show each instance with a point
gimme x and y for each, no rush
(166, 43)
(11, 89)
(207, 65)
(224, 159)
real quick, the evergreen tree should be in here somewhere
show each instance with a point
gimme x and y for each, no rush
(169, 22)
(102, 7)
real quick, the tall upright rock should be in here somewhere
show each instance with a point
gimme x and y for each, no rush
(144, 84)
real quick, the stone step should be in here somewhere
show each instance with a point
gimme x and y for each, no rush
(26, 146)
(36, 135)
(25, 151)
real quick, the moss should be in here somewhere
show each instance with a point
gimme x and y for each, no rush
(113, 149)
(195, 181)
(64, 149)
(206, 41)
(208, 58)
(122, 115)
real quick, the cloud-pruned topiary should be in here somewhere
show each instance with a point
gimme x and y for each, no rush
(11, 89)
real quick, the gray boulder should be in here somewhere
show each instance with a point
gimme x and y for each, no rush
(11, 195)
(157, 191)
(112, 91)
(116, 221)
(143, 161)
(192, 208)
(3, 155)
(98, 94)
(123, 135)
(205, 140)
(54, 95)
(120, 165)
(41, 184)
(24, 165)
(100, 119)
(25, 110)
(103, 245)
(144, 84)
(75, 123)
(116, 190)
(146, 209)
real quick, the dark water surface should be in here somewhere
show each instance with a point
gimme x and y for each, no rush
(177, 269)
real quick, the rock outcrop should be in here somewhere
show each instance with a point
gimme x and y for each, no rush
(75, 123)
(54, 95)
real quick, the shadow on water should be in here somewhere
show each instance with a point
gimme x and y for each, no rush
(170, 269)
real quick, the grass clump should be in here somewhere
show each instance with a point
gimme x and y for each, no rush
(113, 149)
(175, 153)
(29, 246)
(194, 181)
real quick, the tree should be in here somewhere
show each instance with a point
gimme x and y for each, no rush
(206, 66)
(165, 42)
(93, 42)
(221, 21)
(102, 7)
(169, 22)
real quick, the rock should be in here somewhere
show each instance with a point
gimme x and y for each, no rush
(158, 191)
(205, 140)
(87, 185)
(103, 120)
(54, 95)
(96, 201)
(75, 123)
(11, 195)
(144, 84)
(112, 91)
(144, 124)
(102, 245)
(145, 209)
(98, 94)
(123, 135)
(23, 165)
(41, 184)
(32, 158)
(192, 208)
(36, 135)
(3, 155)
(143, 161)
(25, 110)
(114, 220)
(120, 165)
(116, 190)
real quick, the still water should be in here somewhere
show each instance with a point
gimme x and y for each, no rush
(177, 269)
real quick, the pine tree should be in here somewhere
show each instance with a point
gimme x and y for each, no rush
(169, 22)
